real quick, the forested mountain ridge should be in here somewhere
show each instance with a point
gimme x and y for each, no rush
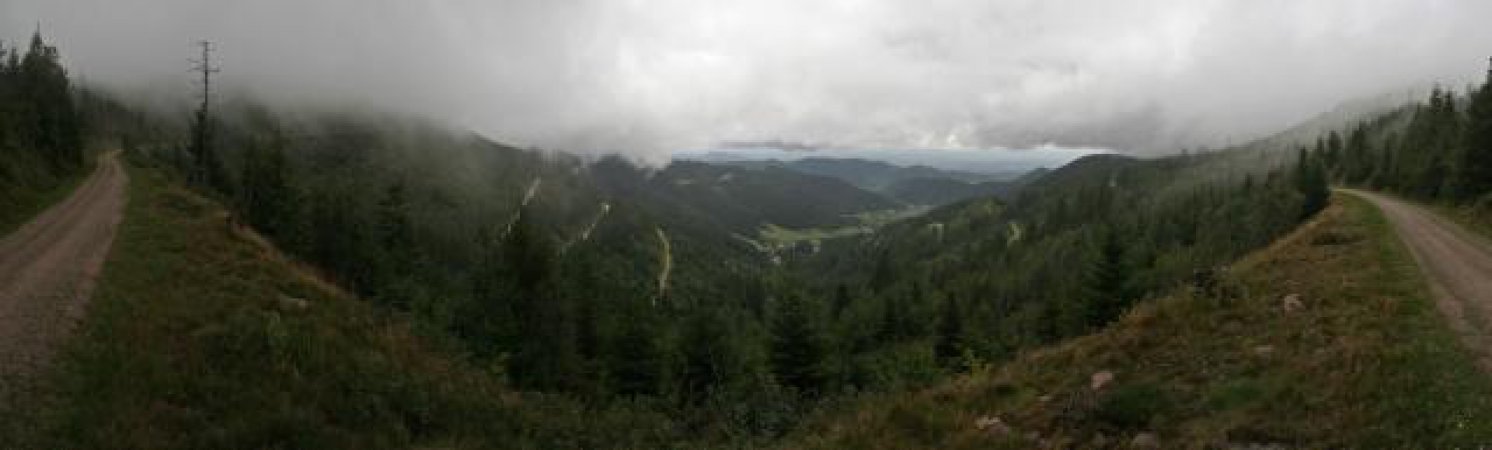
(942, 191)
(742, 200)
(1325, 339)
(918, 185)
(1234, 357)
(867, 174)
(1068, 255)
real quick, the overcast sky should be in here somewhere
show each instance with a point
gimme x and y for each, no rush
(651, 77)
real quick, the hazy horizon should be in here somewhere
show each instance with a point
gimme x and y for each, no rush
(649, 80)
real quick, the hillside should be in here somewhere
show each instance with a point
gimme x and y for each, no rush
(917, 185)
(741, 199)
(942, 191)
(1323, 340)
(877, 175)
(201, 335)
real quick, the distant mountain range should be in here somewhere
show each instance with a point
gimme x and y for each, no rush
(999, 162)
(739, 199)
(916, 185)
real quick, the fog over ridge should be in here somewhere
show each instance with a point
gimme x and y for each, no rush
(651, 77)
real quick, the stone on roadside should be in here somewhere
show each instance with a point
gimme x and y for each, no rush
(293, 304)
(1100, 379)
(1291, 303)
(1145, 440)
(992, 425)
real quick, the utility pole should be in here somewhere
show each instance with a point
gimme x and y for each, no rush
(205, 67)
(205, 169)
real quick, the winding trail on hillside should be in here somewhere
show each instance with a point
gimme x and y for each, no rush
(1457, 265)
(48, 268)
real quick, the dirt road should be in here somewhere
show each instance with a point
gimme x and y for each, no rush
(48, 268)
(1457, 265)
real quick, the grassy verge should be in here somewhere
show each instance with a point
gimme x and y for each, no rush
(196, 338)
(1362, 361)
(19, 205)
(1475, 219)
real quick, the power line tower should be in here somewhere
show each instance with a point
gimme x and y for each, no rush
(207, 169)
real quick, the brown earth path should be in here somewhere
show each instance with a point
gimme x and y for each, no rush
(1457, 265)
(48, 268)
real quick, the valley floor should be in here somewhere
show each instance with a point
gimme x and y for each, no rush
(1327, 339)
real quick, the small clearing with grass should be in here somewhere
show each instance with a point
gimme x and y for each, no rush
(780, 237)
(1327, 339)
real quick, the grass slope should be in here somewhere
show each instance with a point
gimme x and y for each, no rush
(26, 190)
(198, 338)
(1364, 362)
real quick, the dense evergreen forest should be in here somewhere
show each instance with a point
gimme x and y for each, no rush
(1439, 150)
(619, 285)
(41, 132)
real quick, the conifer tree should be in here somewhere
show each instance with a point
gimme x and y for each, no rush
(266, 198)
(712, 352)
(1474, 172)
(1310, 179)
(395, 231)
(46, 117)
(841, 299)
(798, 347)
(637, 356)
(950, 345)
(1108, 283)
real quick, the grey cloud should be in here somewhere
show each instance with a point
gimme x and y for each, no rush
(651, 77)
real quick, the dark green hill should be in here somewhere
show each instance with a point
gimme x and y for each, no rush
(876, 175)
(916, 185)
(739, 199)
(942, 191)
(1234, 365)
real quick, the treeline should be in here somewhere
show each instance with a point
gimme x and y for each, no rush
(1437, 150)
(41, 132)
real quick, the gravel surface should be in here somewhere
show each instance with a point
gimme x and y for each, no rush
(1457, 265)
(48, 268)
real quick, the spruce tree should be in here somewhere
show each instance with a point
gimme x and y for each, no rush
(712, 352)
(1474, 173)
(50, 124)
(1108, 281)
(636, 354)
(395, 231)
(841, 299)
(798, 347)
(950, 345)
(1310, 181)
(265, 197)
